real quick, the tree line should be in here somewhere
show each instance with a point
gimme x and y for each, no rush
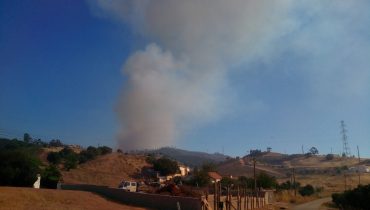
(20, 161)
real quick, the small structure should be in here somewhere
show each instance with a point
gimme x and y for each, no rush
(184, 170)
(37, 183)
(359, 168)
(215, 177)
(163, 179)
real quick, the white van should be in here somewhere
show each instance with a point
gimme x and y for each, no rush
(128, 186)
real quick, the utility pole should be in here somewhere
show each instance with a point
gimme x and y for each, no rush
(302, 150)
(358, 168)
(294, 184)
(254, 174)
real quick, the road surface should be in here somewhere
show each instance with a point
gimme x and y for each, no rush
(313, 205)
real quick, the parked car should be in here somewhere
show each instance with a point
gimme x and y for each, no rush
(128, 186)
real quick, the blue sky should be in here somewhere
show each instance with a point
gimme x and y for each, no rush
(61, 77)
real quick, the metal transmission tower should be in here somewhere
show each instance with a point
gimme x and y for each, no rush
(343, 131)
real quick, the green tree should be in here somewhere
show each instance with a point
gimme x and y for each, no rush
(329, 157)
(314, 151)
(50, 177)
(54, 158)
(246, 182)
(306, 190)
(200, 178)
(104, 150)
(266, 181)
(357, 198)
(18, 168)
(55, 143)
(165, 166)
(70, 161)
(227, 181)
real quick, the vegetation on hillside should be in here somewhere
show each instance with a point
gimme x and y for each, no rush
(165, 166)
(189, 158)
(357, 198)
(71, 159)
(20, 161)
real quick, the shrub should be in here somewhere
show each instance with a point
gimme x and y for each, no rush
(329, 157)
(18, 168)
(200, 178)
(165, 166)
(50, 177)
(246, 182)
(306, 190)
(104, 150)
(266, 181)
(54, 157)
(55, 143)
(70, 161)
(357, 198)
(226, 181)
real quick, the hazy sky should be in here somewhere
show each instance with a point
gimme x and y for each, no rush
(207, 75)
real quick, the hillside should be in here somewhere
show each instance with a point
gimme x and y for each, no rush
(240, 168)
(107, 170)
(190, 158)
(280, 165)
(29, 198)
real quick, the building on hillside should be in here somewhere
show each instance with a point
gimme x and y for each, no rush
(360, 168)
(184, 170)
(215, 177)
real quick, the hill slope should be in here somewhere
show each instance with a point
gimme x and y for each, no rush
(190, 158)
(107, 170)
(29, 198)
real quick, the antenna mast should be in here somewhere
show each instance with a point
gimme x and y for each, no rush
(346, 149)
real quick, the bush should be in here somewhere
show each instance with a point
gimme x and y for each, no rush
(226, 181)
(150, 159)
(66, 152)
(55, 143)
(18, 168)
(54, 158)
(165, 166)
(306, 190)
(329, 157)
(200, 178)
(266, 181)
(104, 150)
(288, 185)
(246, 182)
(357, 198)
(70, 161)
(50, 177)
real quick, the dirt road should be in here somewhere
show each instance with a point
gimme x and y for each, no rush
(313, 205)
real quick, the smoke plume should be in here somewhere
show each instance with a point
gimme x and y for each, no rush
(179, 79)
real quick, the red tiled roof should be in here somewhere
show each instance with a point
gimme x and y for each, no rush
(214, 175)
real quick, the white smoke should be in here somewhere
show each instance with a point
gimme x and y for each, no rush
(180, 78)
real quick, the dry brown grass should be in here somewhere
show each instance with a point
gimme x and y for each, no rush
(333, 183)
(289, 197)
(107, 170)
(320, 162)
(238, 168)
(45, 199)
(328, 206)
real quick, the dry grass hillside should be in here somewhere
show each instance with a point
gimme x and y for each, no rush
(279, 165)
(29, 198)
(241, 168)
(319, 162)
(107, 170)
